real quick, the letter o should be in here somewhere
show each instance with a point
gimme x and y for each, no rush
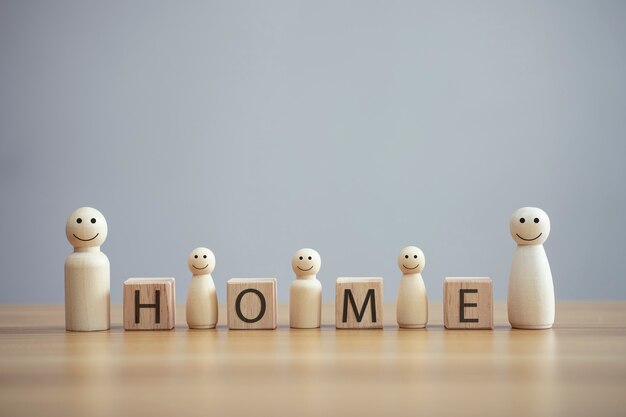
(238, 305)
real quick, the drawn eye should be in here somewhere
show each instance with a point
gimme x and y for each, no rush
(301, 258)
(79, 220)
(310, 258)
(522, 220)
(536, 220)
(204, 256)
(415, 256)
(196, 256)
(406, 256)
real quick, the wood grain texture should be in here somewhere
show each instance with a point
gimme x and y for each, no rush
(251, 303)
(359, 303)
(87, 273)
(87, 291)
(305, 292)
(577, 368)
(150, 292)
(530, 299)
(202, 304)
(477, 300)
(412, 300)
(305, 303)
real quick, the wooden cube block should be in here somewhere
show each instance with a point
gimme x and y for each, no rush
(468, 303)
(149, 304)
(251, 303)
(359, 303)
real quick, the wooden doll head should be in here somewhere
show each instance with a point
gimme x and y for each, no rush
(86, 227)
(306, 262)
(529, 226)
(201, 261)
(411, 260)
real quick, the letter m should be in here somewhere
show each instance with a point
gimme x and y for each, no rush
(369, 297)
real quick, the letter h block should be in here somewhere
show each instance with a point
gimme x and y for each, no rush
(251, 303)
(468, 303)
(359, 303)
(149, 304)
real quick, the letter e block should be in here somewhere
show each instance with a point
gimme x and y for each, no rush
(149, 304)
(251, 303)
(359, 303)
(468, 303)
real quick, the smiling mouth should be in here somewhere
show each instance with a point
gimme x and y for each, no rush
(410, 268)
(529, 240)
(205, 266)
(305, 269)
(85, 240)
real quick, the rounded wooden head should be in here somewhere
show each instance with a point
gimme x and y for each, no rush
(529, 226)
(411, 260)
(306, 262)
(86, 227)
(201, 261)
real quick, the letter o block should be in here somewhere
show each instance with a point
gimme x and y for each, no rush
(468, 303)
(149, 304)
(251, 303)
(359, 303)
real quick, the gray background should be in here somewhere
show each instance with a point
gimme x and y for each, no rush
(355, 128)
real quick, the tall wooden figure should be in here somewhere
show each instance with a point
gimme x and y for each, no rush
(202, 297)
(412, 305)
(531, 291)
(87, 273)
(305, 295)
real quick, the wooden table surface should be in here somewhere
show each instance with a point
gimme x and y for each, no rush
(578, 368)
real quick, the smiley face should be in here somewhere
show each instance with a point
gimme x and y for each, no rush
(86, 227)
(529, 226)
(411, 260)
(201, 261)
(306, 262)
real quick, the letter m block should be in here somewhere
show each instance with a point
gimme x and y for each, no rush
(359, 303)
(149, 304)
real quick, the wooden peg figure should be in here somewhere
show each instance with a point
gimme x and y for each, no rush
(202, 296)
(87, 273)
(412, 305)
(530, 302)
(305, 301)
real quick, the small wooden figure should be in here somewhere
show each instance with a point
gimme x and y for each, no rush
(251, 303)
(353, 296)
(305, 295)
(412, 305)
(530, 300)
(468, 303)
(87, 273)
(149, 304)
(201, 307)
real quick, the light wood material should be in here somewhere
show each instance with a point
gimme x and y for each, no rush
(149, 304)
(251, 303)
(412, 304)
(531, 291)
(305, 293)
(201, 307)
(577, 368)
(359, 303)
(468, 303)
(87, 273)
